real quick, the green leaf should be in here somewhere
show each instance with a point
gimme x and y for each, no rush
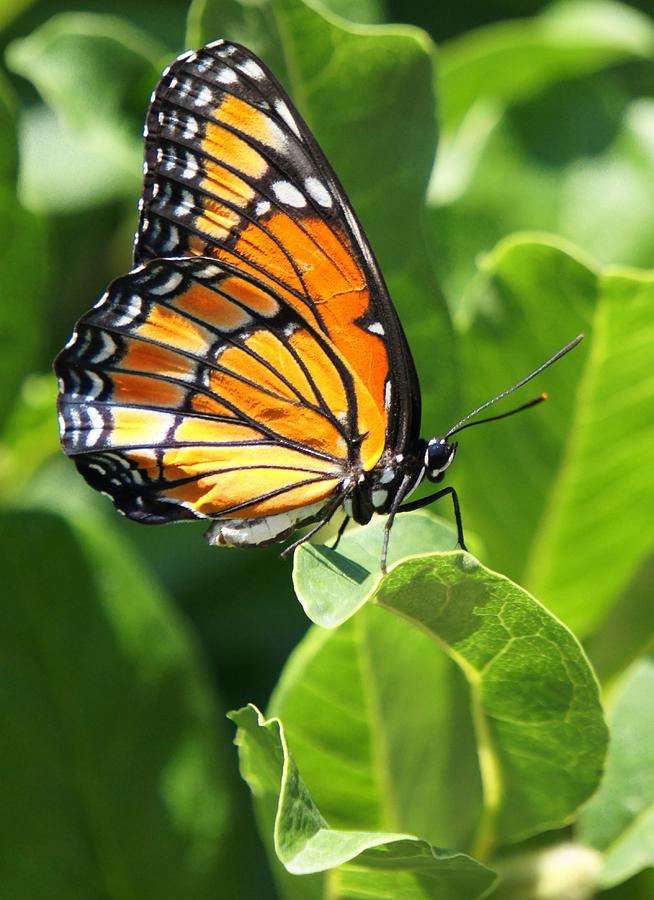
(118, 785)
(333, 584)
(559, 474)
(628, 630)
(534, 698)
(369, 863)
(23, 273)
(95, 73)
(619, 820)
(566, 40)
(248, 22)
(532, 168)
(102, 165)
(8, 135)
(351, 84)
(11, 9)
(105, 54)
(369, 698)
(28, 438)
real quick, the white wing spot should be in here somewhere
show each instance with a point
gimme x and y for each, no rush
(204, 97)
(108, 348)
(253, 69)
(96, 385)
(262, 207)
(131, 311)
(191, 169)
(172, 240)
(285, 113)
(169, 285)
(287, 193)
(387, 395)
(208, 271)
(377, 328)
(203, 65)
(95, 433)
(318, 191)
(186, 205)
(191, 127)
(225, 75)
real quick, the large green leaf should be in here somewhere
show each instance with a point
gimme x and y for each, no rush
(564, 498)
(534, 168)
(365, 863)
(117, 783)
(352, 84)
(566, 40)
(370, 698)
(248, 22)
(534, 699)
(23, 274)
(619, 820)
(535, 137)
(332, 584)
(95, 73)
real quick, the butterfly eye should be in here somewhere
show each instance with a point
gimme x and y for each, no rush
(438, 456)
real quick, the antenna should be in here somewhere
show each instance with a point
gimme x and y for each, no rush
(562, 352)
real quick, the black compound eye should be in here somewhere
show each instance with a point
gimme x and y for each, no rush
(438, 456)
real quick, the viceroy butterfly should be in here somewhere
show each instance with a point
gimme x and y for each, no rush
(251, 368)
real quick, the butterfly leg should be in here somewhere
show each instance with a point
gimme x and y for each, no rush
(426, 501)
(395, 508)
(323, 520)
(339, 534)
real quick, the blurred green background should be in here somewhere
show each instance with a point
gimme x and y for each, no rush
(123, 646)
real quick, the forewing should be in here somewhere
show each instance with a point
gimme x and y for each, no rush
(233, 172)
(192, 390)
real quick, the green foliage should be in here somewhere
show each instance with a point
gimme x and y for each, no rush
(117, 776)
(362, 863)
(442, 706)
(619, 821)
(532, 698)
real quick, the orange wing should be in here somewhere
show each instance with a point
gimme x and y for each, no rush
(233, 172)
(192, 390)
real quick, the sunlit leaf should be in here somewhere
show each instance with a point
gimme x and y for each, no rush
(358, 699)
(332, 584)
(95, 73)
(546, 490)
(369, 863)
(619, 820)
(566, 40)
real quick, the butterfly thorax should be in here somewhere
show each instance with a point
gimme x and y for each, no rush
(377, 490)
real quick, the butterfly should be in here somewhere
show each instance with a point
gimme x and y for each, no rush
(251, 368)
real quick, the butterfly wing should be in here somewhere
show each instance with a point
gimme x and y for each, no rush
(232, 171)
(194, 391)
(252, 363)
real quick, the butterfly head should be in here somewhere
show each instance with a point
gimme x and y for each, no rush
(439, 454)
